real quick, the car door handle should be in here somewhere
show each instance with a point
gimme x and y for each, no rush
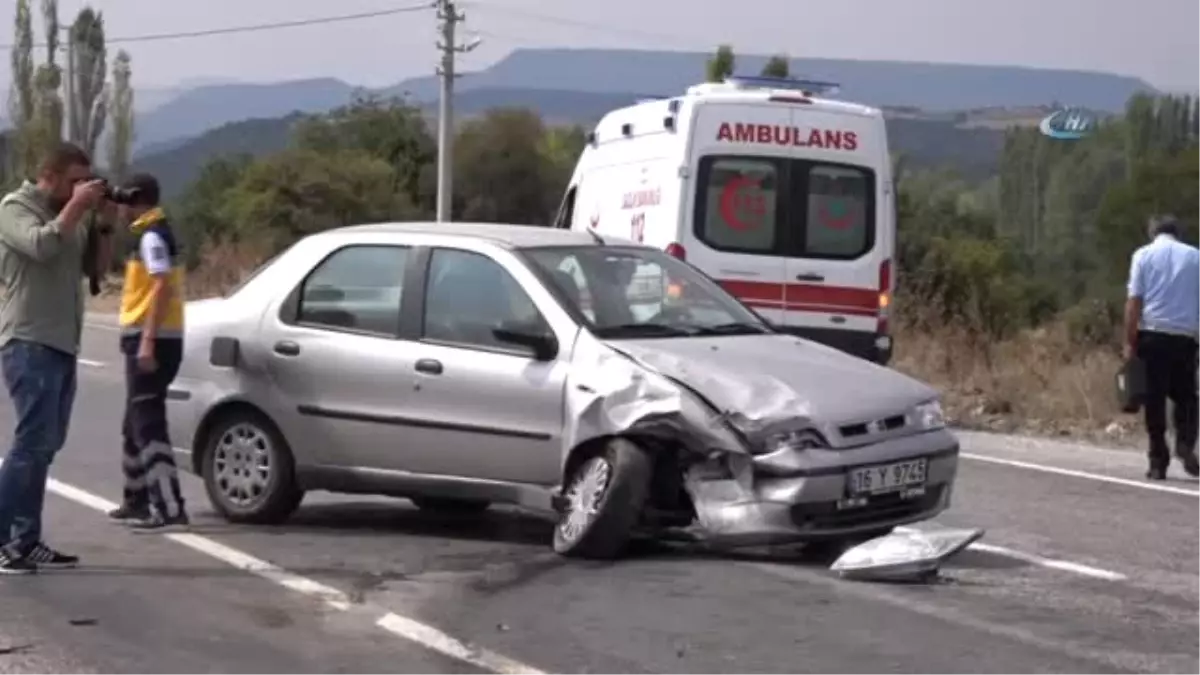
(287, 348)
(429, 366)
(810, 276)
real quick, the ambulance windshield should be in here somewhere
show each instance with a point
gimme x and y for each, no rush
(627, 292)
(785, 207)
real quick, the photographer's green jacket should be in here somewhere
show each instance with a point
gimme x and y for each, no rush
(42, 273)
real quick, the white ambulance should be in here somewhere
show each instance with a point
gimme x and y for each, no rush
(782, 196)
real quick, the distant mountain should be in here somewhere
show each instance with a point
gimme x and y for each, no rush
(930, 86)
(952, 139)
(198, 110)
(627, 74)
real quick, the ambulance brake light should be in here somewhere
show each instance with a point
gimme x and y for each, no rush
(676, 250)
(885, 296)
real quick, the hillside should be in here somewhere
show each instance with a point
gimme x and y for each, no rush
(940, 140)
(618, 73)
(207, 107)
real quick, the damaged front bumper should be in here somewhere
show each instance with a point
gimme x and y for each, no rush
(805, 495)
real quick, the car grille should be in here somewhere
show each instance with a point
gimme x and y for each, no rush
(881, 508)
(872, 427)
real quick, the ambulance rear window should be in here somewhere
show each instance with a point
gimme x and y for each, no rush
(785, 207)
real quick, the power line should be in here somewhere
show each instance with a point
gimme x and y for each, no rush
(254, 28)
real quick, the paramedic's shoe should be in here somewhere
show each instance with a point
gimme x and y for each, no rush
(161, 523)
(129, 512)
(1157, 473)
(44, 556)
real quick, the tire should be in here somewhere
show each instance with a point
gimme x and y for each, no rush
(238, 442)
(450, 506)
(616, 483)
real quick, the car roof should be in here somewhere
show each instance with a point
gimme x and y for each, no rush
(510, 236)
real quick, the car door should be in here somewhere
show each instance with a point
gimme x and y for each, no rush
(483, 408)
(335, 354)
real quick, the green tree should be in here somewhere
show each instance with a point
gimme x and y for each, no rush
(46, 126)
(721, 65)
(777, 66)
(22, 99)
(388, 129)
(301, 191)
(121, 135)
(500, 172)
(89, 68)
(198, 210)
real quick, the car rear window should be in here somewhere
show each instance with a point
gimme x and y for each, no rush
(785, 207)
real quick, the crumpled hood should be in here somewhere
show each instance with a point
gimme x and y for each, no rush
(775, 377)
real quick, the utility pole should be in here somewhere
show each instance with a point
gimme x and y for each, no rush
(450, 17)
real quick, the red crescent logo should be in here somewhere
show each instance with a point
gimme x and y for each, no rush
(736, 191)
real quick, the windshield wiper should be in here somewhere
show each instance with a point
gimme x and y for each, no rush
(645, 330)
(733, 328)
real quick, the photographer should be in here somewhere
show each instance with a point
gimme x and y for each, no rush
(42, 238)
(152, 342)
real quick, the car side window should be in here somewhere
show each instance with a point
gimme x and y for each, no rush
(356, 288)
(468, 295)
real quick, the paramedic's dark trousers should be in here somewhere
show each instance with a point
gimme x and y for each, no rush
(1170, 374)
(148, 463)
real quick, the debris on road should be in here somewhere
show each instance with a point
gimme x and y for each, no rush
(908, 556)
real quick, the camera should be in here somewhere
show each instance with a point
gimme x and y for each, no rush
(120, 195)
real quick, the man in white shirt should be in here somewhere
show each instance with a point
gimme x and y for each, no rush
(1162, 325)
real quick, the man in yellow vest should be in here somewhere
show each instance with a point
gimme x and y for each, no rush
(152, 341)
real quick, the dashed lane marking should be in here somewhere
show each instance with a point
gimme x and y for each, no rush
(401, 626)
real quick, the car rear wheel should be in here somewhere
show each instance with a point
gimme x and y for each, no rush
(448, 505)
(603, 499)
(248, 470)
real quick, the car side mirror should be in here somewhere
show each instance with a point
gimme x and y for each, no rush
(542, 343)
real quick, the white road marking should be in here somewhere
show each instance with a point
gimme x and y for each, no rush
(401, 626)
(1050, 563)
(91, 363)
(1171, 489)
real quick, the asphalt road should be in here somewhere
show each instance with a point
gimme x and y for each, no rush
(1084, 568)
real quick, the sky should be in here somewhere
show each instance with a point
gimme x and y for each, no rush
(1156, 40)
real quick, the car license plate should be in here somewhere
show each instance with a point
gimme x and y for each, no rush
(887, 477)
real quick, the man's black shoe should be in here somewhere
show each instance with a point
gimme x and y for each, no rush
(1156, 473)
(44, 556)
(160, 523)
(10, 564)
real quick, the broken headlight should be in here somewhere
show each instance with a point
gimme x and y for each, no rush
(799, 440)
(929, 416)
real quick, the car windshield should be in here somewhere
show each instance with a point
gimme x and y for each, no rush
(629, 292)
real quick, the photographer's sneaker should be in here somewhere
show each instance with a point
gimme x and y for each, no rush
(160, 523)
(10, 564)
(44, 556)
(128, 512)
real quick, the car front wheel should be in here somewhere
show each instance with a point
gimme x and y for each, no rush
(249, 471)
(603, 500)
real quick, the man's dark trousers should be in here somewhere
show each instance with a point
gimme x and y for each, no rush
(41, 383)
(151, 478)
(1170, 374)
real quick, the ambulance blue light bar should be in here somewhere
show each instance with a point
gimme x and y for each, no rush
(758, 81)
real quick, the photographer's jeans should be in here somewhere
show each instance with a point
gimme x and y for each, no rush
(41, 383)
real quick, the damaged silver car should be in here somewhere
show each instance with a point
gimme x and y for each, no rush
(610, 384)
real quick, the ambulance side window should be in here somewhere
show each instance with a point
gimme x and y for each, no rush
(839, 222)
(738, 209)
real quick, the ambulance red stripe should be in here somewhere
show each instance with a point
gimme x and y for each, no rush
(805, 297)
